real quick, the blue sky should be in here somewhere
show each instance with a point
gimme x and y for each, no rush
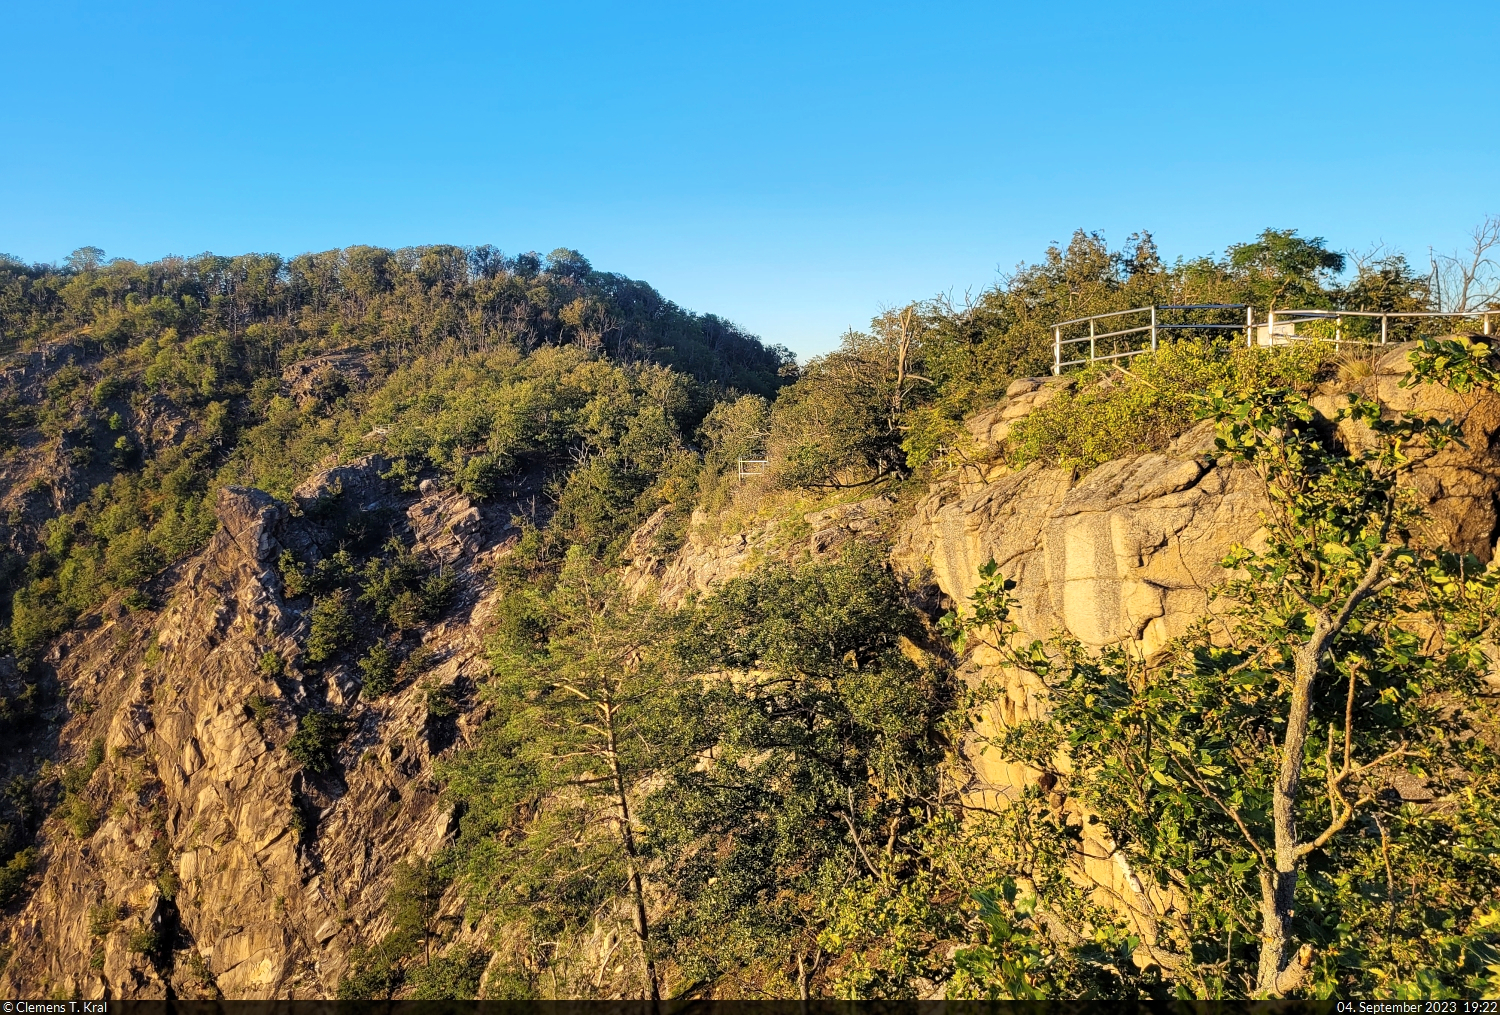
(794, 167)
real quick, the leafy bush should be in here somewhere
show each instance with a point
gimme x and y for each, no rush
(332, 626)
(1112, 414)
(318, 736)
(438, 590)
(79, 816)
(294, 578)
(103, 916)
(416, 661)
(261, 710)
(77, 777)
(379, 669)
(455, 976)
(14, 873)
(144, 940)
(374, 973)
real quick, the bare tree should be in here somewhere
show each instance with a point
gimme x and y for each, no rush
(1469, 280)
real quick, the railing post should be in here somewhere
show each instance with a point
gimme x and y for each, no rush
(1271, 328)
(1057, 351)
(1153, 327)
(1093, 353)
(1383, 320)
(1338, 330)
(1249, 325)
(1486, 324)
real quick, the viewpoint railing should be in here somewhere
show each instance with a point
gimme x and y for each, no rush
(1357, 327)
(1143, 328)
(1145, 334)
(752, 467)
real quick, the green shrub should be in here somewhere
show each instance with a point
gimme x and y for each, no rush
(438, 591)
(144, 940)
(1114, 414)
(78, 776)
(509, 984)
(317, 738)
(416, 661)
(440, 703)
(332, 626)
(456, 976)
(271, 664)
(407, 611)
(103, 916)
(79, 816)
(14, 874)
(167, 882)
(20, 791)
(375, 973)
(379, 669)
(260, 711)
(294, 578)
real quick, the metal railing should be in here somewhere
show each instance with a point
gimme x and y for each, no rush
(752, 467)
(1144, 333)
(1267, 334)
(1123, 343)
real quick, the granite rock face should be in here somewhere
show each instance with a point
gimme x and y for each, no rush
(198, 828)
(206, 832)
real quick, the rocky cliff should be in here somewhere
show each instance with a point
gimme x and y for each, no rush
(203, 861)
(211, 864)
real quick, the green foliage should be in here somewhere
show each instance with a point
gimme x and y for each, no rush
(380, 971)
(271, 664)
(1462, 364)
(315, 744)
(584, 707)
(478, 367)
(78, 815)
(1351, 651)
(331, 628)
(456, 976)
(261, 710)
(374, 973)
(103, 916)
(144, 940)
(14, 872)
(895, 398)
(76, 777)
(1115, 414)
(379, 669)
(416, 891)
(1283, 269)
(294, 578)
(815, 740)
(839, 424)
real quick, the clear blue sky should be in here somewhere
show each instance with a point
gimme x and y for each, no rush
(791, 166)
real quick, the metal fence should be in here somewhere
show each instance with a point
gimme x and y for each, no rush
(1142, 331)
(1358, 327)
(1121, 334)
(752, 467)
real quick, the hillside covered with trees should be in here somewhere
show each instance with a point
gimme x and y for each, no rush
(766, 785)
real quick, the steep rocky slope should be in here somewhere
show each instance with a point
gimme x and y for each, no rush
(263, 877)
(209, 835)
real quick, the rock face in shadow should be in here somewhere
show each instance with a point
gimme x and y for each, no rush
(229, 869)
